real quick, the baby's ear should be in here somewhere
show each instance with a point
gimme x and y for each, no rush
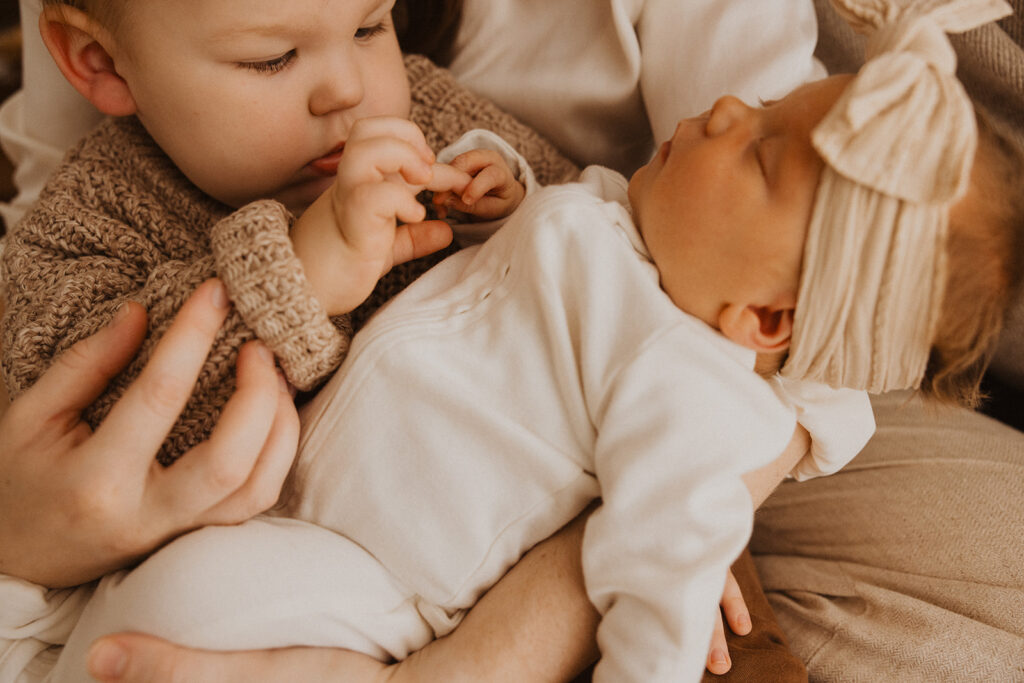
(765, 329)
(79, 46)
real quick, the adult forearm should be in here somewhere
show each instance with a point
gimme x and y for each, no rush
(763, 481)
(536, 624)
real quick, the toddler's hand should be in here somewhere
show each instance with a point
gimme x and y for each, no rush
(492, 192)
(369, 220)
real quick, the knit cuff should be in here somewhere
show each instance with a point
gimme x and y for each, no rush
(267, 284)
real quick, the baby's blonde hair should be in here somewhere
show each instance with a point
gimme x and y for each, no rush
(985, 253)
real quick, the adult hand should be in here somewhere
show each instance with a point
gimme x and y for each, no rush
(734, 607)
(77, 504)
(138, 658)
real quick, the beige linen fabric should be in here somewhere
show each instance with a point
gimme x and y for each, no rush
(906, 565)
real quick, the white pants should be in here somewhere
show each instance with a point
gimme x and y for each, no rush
(266, 583)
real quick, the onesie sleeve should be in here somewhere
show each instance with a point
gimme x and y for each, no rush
(839, 421)
(679, 427)
(696, 51)
(32, 620)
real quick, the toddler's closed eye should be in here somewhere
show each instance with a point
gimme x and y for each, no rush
(270, 65)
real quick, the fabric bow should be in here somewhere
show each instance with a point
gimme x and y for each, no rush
(898, 147)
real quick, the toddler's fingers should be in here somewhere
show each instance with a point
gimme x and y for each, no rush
(415, 240)
(390, 126)
(447, 179)
(375, 159)
(151, 405)
(384, 202)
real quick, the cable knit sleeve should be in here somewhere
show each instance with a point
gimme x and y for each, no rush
(254, 258)
(118, 222)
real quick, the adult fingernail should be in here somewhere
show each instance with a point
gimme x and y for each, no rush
(121, 313)
(743, 622)
(107, 660)
(719, 657)
(219, 295)
(263, 351)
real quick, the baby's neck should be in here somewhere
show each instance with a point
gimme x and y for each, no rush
(767, 364)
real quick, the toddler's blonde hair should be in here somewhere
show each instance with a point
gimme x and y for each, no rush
(108, 13)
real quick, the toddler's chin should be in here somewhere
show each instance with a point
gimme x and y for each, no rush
(297, 198)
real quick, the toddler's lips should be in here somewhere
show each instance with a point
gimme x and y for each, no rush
(327, 165)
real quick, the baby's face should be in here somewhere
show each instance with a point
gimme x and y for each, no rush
(724, 205)
(255, 98)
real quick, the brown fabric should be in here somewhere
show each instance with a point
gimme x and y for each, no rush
(907, 564)
(763, 655)
(119, 222)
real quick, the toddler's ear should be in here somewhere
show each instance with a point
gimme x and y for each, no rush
(765, 329)
(77, 44)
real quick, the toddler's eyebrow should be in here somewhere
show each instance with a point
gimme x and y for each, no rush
(268, 30)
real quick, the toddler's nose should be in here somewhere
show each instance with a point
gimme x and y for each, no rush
(727, 112)
(337, 90)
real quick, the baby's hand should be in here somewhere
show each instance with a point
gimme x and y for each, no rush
(351, 235)
(492, 192)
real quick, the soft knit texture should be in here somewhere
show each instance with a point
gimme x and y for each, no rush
(119, 222)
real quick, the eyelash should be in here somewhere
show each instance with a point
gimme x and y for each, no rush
(371, 31)
(270, 66)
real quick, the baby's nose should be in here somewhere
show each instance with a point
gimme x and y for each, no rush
(727, 112)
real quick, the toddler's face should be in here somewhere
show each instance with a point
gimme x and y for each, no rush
(255, 98)
(724, 205)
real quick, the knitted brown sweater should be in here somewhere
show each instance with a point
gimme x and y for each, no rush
(119, 222)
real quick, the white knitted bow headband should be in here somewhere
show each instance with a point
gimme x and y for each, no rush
(898, 147)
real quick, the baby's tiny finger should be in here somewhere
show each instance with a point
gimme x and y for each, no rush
(489, 179)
